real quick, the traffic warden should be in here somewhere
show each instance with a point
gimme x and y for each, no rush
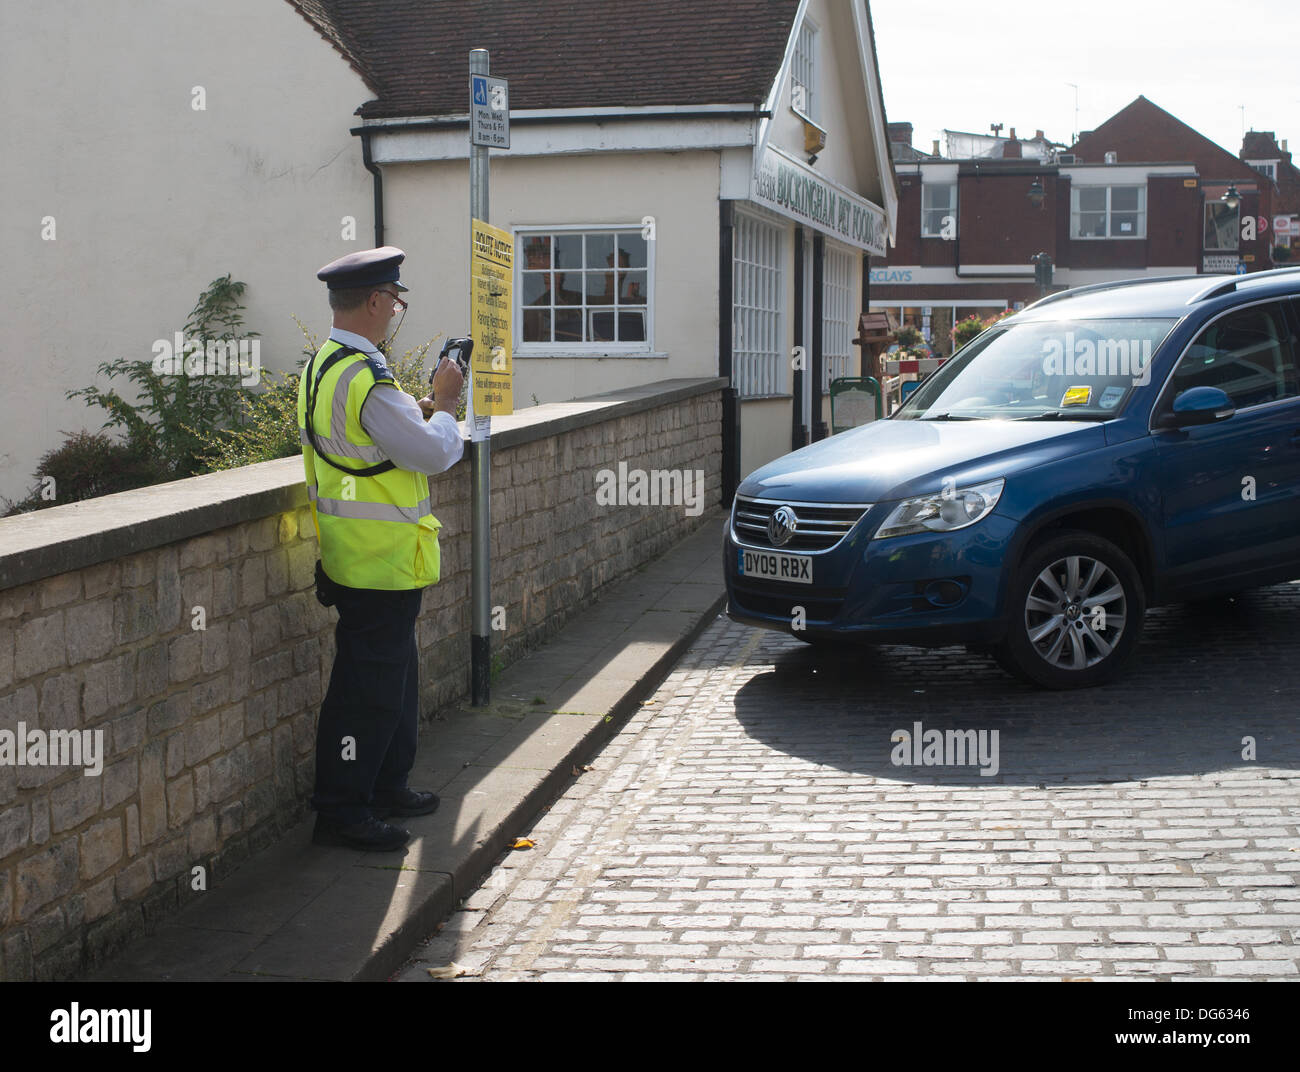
(367, 447)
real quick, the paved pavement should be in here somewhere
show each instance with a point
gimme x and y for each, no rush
(299, 911)
(750, 821)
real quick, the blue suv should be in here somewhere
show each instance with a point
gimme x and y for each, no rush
(1108, 449)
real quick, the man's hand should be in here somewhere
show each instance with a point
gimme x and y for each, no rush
(447, 383)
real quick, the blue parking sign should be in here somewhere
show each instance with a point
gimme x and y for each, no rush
(489, 111)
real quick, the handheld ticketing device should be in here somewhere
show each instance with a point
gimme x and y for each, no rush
(458, 350)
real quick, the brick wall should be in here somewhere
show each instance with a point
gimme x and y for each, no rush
(208, 733)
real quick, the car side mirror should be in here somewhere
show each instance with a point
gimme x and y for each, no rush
(1196, 406)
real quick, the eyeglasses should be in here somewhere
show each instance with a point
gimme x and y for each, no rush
(399, 306)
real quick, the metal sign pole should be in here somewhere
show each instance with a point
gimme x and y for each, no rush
(480, 449)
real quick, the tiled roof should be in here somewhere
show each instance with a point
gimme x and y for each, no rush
(1142, 131)
(415, 53)
(319, 13)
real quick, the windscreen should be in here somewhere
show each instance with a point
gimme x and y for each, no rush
(1068, 369)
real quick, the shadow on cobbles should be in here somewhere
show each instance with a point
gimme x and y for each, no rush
(1206, 676)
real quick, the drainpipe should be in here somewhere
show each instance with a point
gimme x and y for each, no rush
(373, 168)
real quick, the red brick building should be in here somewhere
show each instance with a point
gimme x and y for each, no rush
(1261, 150)
(1140, 195)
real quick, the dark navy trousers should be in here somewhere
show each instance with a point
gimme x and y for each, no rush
(365, 740)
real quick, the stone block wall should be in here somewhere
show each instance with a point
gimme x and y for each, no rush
(178, 626)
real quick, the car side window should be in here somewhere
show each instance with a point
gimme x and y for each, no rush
(1250, 355)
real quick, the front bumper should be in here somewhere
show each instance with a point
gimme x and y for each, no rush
(929, 590)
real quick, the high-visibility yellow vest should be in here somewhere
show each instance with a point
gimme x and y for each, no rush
(374, 522)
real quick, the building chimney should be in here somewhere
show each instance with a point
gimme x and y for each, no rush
(900, 132)
(1012, 150)
(935, 151)
(1038, 135)
(1284, 148)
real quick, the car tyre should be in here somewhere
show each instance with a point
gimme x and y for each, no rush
(1075, 607)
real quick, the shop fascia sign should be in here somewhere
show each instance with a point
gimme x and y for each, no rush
(785, 185)
(1219, 262)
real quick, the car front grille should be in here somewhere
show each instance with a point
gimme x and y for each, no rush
(820, 526)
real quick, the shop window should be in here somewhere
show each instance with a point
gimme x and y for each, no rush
(758, 356)
(1108, 212)
(838, 319)
(1222, 229)
(584, 290)
(939, 210)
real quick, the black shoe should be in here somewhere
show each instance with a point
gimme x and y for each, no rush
(369, 835)
(405, 802)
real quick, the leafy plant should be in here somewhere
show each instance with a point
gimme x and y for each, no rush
(967, 329)
(86, 465)
(268, 431)
(178, 413)
(270, 426)
(909, 338)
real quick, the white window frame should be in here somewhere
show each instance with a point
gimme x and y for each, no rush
(838, 314)
(584, 349)
(1267, 168)
(758, 347)
(804, 67)
(927, 188)
(1141, 212)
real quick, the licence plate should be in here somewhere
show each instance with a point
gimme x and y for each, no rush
(774, 567)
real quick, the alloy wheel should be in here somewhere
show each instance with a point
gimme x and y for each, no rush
(1075, 612)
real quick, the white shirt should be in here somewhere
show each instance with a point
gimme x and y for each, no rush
(394, 420)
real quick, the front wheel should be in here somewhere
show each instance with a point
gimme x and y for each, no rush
(1075, 609)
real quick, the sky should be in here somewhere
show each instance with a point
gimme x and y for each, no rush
(963, 65)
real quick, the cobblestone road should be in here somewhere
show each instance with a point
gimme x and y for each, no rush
(749, 821)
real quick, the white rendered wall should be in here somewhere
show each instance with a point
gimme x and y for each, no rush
(152, 200)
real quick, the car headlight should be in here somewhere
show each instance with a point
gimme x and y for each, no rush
(945, 511)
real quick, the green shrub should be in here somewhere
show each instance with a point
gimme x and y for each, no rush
(269, 428)
(178, 414)
(966, 330)
(87, 465)
(909, 338)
